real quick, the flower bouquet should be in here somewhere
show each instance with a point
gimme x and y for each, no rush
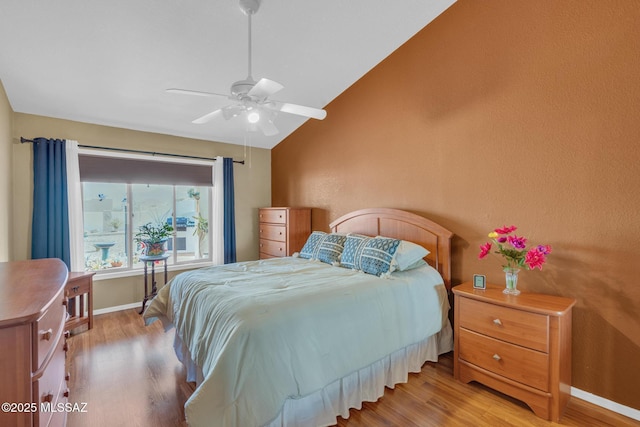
(514, 250)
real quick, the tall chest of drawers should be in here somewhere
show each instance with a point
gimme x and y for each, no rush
(33, 341)
(283, 231)
(519, 345)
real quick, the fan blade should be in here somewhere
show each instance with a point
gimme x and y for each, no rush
(264, 88)
(194, 92)
(207, 117)
(299, 110)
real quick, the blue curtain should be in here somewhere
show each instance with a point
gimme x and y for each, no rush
(229, 213)
(50, 221)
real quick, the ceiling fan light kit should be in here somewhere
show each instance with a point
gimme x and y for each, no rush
(251, 97)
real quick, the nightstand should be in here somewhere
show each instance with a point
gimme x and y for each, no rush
(519, 345)
(79, 292)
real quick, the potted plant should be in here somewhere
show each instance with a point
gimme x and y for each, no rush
(153, 238)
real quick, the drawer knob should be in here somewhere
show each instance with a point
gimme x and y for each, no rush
(497, 322)
(66, 393)
(496, 357)
(48, 397)
(75, 289)
(46, 335)
(67, 376)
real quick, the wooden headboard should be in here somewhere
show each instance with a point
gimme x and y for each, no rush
(404, 225)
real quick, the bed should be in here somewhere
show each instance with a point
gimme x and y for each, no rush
(297, 342)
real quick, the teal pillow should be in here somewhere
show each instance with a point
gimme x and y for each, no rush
(312, 246)
(331, 248)
(353, 247)
(377, 255)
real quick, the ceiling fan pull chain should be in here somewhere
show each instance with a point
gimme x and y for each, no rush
(250, 77)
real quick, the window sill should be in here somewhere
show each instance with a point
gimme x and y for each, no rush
(140, 272)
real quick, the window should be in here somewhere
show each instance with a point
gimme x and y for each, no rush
(113, 211)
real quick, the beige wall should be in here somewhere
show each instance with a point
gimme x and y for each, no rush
(6, 114)
(252, 185)
(504, 112)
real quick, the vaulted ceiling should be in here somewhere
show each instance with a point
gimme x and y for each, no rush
(110, 62)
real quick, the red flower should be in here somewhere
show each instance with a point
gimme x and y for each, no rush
(506, 230)
(484, 250)
(535, 258)
(546, 249)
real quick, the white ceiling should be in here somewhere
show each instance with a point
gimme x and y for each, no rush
(109, 62)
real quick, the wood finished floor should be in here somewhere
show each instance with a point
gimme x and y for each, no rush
(129, 376)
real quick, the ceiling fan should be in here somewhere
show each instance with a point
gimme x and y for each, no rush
(251, 98)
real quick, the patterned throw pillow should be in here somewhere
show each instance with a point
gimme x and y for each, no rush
(353, 247)
(312, 246)
(331, 248)
(377, 256)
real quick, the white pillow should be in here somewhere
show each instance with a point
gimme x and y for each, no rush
(408, 255)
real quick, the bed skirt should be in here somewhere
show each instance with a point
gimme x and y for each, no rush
(365, 385)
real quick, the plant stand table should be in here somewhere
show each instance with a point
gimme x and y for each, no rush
(146, 260)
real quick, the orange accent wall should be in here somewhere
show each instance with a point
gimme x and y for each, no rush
(497, 113)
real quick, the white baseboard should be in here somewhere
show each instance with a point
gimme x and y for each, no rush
(117, 308)
(575, 392)
(606, 403)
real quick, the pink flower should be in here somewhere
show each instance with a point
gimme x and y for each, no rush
(484, 250)
(506, 230)
(545, 249)
(517, 242)
(502, 239)
(534, 258)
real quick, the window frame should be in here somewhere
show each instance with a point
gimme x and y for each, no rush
(132, 270)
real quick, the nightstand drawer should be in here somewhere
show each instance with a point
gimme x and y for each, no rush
(275, 216)
(77, 287)
(520, 364)
(515, 326)
(273, 232)
(276, 249)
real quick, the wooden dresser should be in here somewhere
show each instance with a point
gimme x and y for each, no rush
(33, 342)
(519, 345)
(283, 231)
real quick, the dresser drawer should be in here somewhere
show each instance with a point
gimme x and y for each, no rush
(274, 216)
(273, 232)
(48, 329)
(270, 247)
(517, 363)
(50, 388)
(515, 326)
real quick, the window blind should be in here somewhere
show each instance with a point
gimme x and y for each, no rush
(140, 171)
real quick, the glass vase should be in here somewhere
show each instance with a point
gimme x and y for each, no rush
(511, 281)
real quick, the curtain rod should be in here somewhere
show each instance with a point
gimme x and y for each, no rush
(127, 150)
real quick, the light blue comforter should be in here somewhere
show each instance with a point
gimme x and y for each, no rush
(264, 331)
